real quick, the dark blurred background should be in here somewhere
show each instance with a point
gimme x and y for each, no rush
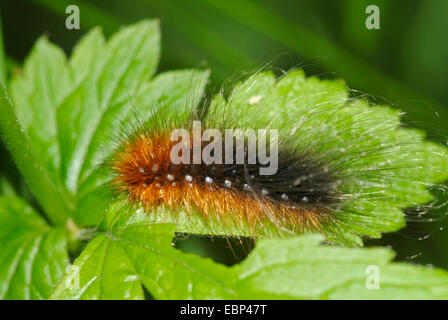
(404, 64)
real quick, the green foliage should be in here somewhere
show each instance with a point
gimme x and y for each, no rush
(130, 250)
(67, 110)
(33, 255)
(56, 130)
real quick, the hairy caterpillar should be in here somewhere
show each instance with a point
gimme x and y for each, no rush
(345, 168)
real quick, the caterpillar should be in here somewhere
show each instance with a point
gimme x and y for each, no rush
(344, 168)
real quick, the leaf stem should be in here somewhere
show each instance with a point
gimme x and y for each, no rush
(48, 195)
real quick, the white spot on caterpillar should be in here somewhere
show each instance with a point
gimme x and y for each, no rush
(188, 178)
(141, 170)
(170, 177)
(155, 168)
(208, 180)
(228, 183)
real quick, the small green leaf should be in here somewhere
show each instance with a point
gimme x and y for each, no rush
(33, 256)
(37, 93)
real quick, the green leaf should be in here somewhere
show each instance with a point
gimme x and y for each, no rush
(107, 81)
(52, 94)
(131, 251)
(37, 93)
(365, 143)
(382, 166)
(33, 256)
(301, 268)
